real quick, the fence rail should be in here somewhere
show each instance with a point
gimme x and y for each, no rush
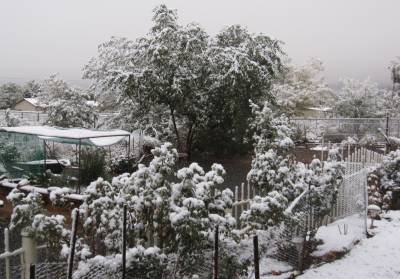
(338, 129)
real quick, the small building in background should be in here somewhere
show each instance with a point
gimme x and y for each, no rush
(28, 104)
(318, 112)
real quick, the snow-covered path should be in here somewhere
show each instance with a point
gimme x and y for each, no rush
(374, 258)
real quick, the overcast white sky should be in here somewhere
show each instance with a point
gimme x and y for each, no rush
(355, 38)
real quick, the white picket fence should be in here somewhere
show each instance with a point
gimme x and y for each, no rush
(358, 161)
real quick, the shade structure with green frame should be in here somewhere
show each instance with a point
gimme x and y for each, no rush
(75, 136)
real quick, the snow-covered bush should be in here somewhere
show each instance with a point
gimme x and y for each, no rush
(324, 180)
(51, 230)
(8, 153)
(25, 207)
(176, 212)
(102, 217)
(265, 211)
(146, 263)
(11, 120)
(273, 167)
(385, 181)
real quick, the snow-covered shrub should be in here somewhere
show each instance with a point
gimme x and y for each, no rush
(8, 153)
(102, 217)
(93, 165)
(197, 207)
(368, 140)
(146, 263)
(51, 230)
(273, 168)
(265, 211)
(11, 120)
(174, 211)
(324, 181)
(25, 207)
(382, 192)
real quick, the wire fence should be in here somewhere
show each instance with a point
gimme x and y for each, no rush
(368, 130)
(350, 208)
(38, 118)
(291, 243)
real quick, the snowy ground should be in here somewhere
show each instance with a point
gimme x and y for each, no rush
(376, 257)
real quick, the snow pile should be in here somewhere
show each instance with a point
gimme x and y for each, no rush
(340, 236)
(373, 258)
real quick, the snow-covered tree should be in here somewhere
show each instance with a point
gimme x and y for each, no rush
(303, 87)
(395, 75)
(359, 98)
(198, 82)
(273, 168)
(66, 106)
(10, 94)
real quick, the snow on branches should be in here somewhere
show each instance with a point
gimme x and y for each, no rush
(66, 106)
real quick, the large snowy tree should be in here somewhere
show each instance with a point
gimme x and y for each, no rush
(395, 75)
(66, 106)
(10, 94)
(359, 98)
(202, 84)
(303, 87)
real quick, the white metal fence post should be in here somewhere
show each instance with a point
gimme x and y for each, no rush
(30, 251)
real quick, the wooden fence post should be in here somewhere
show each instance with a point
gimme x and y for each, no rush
(216, 237)
(32, 271)
(236, 208)
(75, 219)
(124, 243)
(322, 149)
(256, 258)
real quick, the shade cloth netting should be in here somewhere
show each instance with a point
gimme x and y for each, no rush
(71, 135)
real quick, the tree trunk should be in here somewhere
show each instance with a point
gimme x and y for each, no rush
(178, 139)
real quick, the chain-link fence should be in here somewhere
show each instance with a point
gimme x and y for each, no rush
(295, 241)
(35, 118)
(335, 130)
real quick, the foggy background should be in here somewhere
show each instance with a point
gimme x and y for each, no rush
(356, 38)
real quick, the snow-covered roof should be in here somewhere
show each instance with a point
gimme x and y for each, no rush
(92, 103)
(324, 109)
(71, 135)
(33, 101)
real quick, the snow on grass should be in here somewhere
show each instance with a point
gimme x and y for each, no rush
(376, 257)
(340, 236)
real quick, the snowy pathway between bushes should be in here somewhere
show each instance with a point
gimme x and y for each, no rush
(374, 258)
